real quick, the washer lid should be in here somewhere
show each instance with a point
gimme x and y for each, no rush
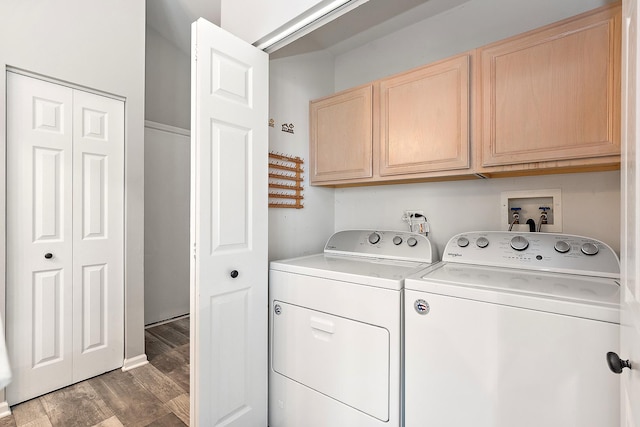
(573, 295)
(382, 273)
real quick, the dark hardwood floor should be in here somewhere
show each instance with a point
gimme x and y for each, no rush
(156, 394)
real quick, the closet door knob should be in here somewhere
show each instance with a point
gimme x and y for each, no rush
(48, 255)
(616, 364)
(234, 274)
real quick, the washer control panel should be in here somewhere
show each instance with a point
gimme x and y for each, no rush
(399, 245)
(535, 251)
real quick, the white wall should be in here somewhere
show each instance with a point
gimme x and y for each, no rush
(167, 175)
(167, 82)
(98, 45)
(468, 26)
(591, 205)
(166, 222)
(292, 83)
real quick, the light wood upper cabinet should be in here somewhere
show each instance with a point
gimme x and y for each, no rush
(424, 119)
(550, 98)
(413, 125)
(546, 101)
(341, 137)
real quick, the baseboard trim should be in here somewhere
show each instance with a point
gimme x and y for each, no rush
(5, 410)
(134, 362)
(164, 322)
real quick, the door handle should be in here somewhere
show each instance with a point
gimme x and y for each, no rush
(616, 364)
(48, 255)
(234, 274)
(322, 325)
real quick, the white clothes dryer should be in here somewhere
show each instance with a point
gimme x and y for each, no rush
(512, 329)
(335, 330)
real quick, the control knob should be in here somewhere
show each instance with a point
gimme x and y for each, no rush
(412, 241)
(397, 240)
(374, 238)
(482, 242)
(463, 242)
(562, 246)
(519, 243)
(589, 249)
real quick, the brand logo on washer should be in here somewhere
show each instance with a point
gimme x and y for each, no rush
(421, 306)
(277, 309)
(454, 254)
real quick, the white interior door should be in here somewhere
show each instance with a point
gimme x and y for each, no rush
(65, 180)
(228, 230)
(630, 191)
(39, 222)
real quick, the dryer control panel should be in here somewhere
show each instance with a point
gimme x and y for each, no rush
(563, 253)
(396, 245)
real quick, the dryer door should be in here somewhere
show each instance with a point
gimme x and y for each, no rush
(341, 358)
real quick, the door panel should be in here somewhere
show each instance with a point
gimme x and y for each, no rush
(47, 307)
(93, 307)
(39, 293)
(231, 366)
(230, 146)
(93, 196)
(98, 233)
(228, 230)
(48, 221)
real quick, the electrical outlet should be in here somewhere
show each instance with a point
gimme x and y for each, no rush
(530, 202)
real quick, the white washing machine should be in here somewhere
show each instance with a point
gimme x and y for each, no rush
(335, 330)
(513, 330)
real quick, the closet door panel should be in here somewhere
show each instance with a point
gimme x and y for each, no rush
(98, 275)
(39, 236)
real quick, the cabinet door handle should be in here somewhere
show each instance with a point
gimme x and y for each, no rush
(48, 255)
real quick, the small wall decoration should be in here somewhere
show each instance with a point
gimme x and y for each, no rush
(285, 174)
(287, 127)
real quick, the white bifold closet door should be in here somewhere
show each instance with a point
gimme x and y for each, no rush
(65, 196)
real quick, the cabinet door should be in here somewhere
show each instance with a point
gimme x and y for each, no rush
(424, 119)
(341, 135)
(553, 94)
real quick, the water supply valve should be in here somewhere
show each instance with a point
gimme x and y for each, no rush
(515, 215)
(544, 216)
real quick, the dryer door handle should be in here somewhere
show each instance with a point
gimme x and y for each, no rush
(322, 325)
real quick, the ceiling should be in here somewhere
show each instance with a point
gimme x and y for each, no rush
(366, 23)
(172, 19)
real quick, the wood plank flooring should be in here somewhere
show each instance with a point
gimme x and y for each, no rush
(155, 395)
